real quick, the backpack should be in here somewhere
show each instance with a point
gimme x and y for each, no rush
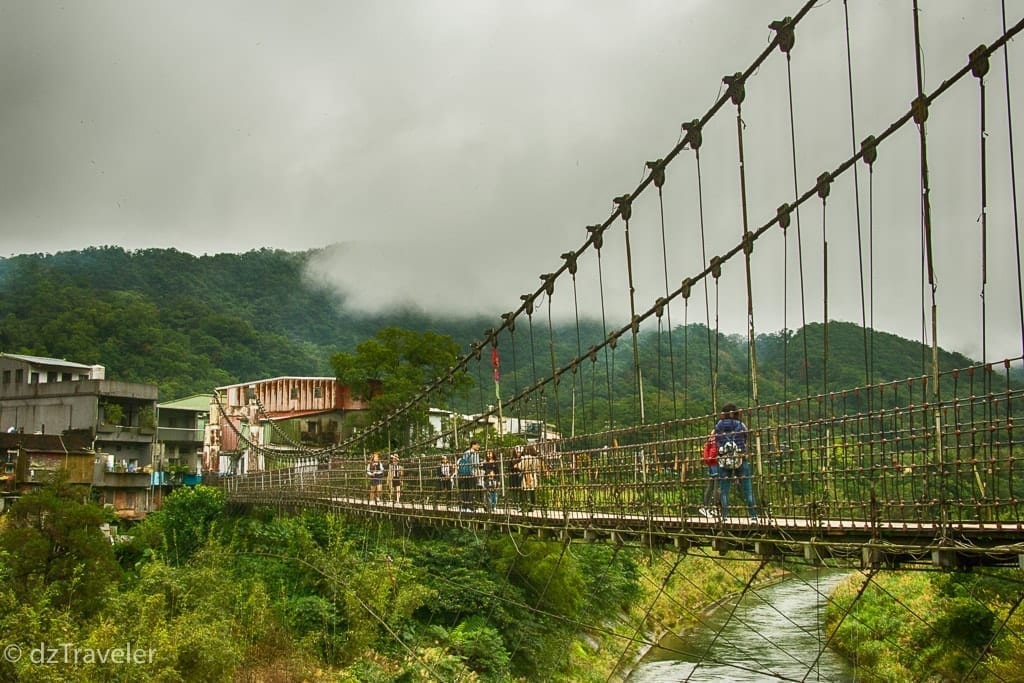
(465, 466)
(710, 452)
(730, 456)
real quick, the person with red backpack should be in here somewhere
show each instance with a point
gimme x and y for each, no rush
(711, 492)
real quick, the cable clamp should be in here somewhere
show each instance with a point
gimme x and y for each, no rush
(549, 283)
(869, 149)
(824, 185)
(783, 215)
(685, 288)
(657, 172)
(625, 204)
(716, 267)
(596, 235)
(979, 61)
(570, 261)
(735, 90)
(510, 321)
(693, 134)
(659, 306)
(919, 108)
(784, 33)
(528, 299)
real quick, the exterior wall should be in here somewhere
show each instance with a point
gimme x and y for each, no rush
(18, 369)
(311, 407)
(67, 405)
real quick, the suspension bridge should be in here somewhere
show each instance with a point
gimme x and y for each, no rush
(848, 464)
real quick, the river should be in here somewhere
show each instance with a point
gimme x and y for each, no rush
(773, 635)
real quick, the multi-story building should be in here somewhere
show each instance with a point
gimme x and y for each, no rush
(252, 420)
(181, 427)
(52, 396)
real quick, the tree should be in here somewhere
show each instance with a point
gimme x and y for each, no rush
(57, 549)
(185, 522)
(391, 369)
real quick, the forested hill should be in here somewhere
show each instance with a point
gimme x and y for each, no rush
(190, 323)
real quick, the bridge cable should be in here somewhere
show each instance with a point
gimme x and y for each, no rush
(917, 616)
(784, 222)
(658, 173)
(555, 372)
(540, 598)
(597, 239)
(737, 93)
(571, 266)
(846, 612)
(824, 183)
(334, 580)
(761, 565)
(988, 646)
(626, 210)
(647, 614)
(920, 108)
(868, 371)
(979, 68)
(1013, 184)
(694, 138)
(701, 621)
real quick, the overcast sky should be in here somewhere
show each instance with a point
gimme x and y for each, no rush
(448, 151)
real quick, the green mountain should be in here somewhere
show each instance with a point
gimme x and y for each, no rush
(190, 323)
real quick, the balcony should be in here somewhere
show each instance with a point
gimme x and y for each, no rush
(122, 434)
(180, 434)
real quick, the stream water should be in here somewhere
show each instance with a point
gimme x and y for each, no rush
(774, 634)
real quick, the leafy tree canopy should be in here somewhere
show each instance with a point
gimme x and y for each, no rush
(394, 366)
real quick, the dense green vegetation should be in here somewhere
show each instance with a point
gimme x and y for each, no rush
(190, 323)
(911, 626)
(219, 597)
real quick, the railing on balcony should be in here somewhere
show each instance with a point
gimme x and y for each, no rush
(180, 434)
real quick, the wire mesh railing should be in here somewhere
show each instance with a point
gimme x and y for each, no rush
(893, 454)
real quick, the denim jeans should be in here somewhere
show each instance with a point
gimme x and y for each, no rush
(746, 482)
(711, 491)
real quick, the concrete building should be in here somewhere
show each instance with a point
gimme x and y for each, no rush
(51, 396)
(251, 420)
(181, 428)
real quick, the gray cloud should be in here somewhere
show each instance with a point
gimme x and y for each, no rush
(450, 151)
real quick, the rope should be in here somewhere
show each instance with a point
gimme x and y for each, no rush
(856, 195)
(1013, 184)
(799, 239)
(659, 181)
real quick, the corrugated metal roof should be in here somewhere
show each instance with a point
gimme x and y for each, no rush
(197, 402)
(41, 360)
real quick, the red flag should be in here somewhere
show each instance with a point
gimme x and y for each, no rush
(495, 363)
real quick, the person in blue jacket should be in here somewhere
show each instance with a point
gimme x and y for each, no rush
(731, 439)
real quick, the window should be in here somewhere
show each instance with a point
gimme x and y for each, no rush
(318, 392)
(34, 378)
(294, 393)
(19, 376)
(7, 376)
(65, 377)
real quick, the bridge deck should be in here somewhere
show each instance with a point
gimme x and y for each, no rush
(865, 543)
